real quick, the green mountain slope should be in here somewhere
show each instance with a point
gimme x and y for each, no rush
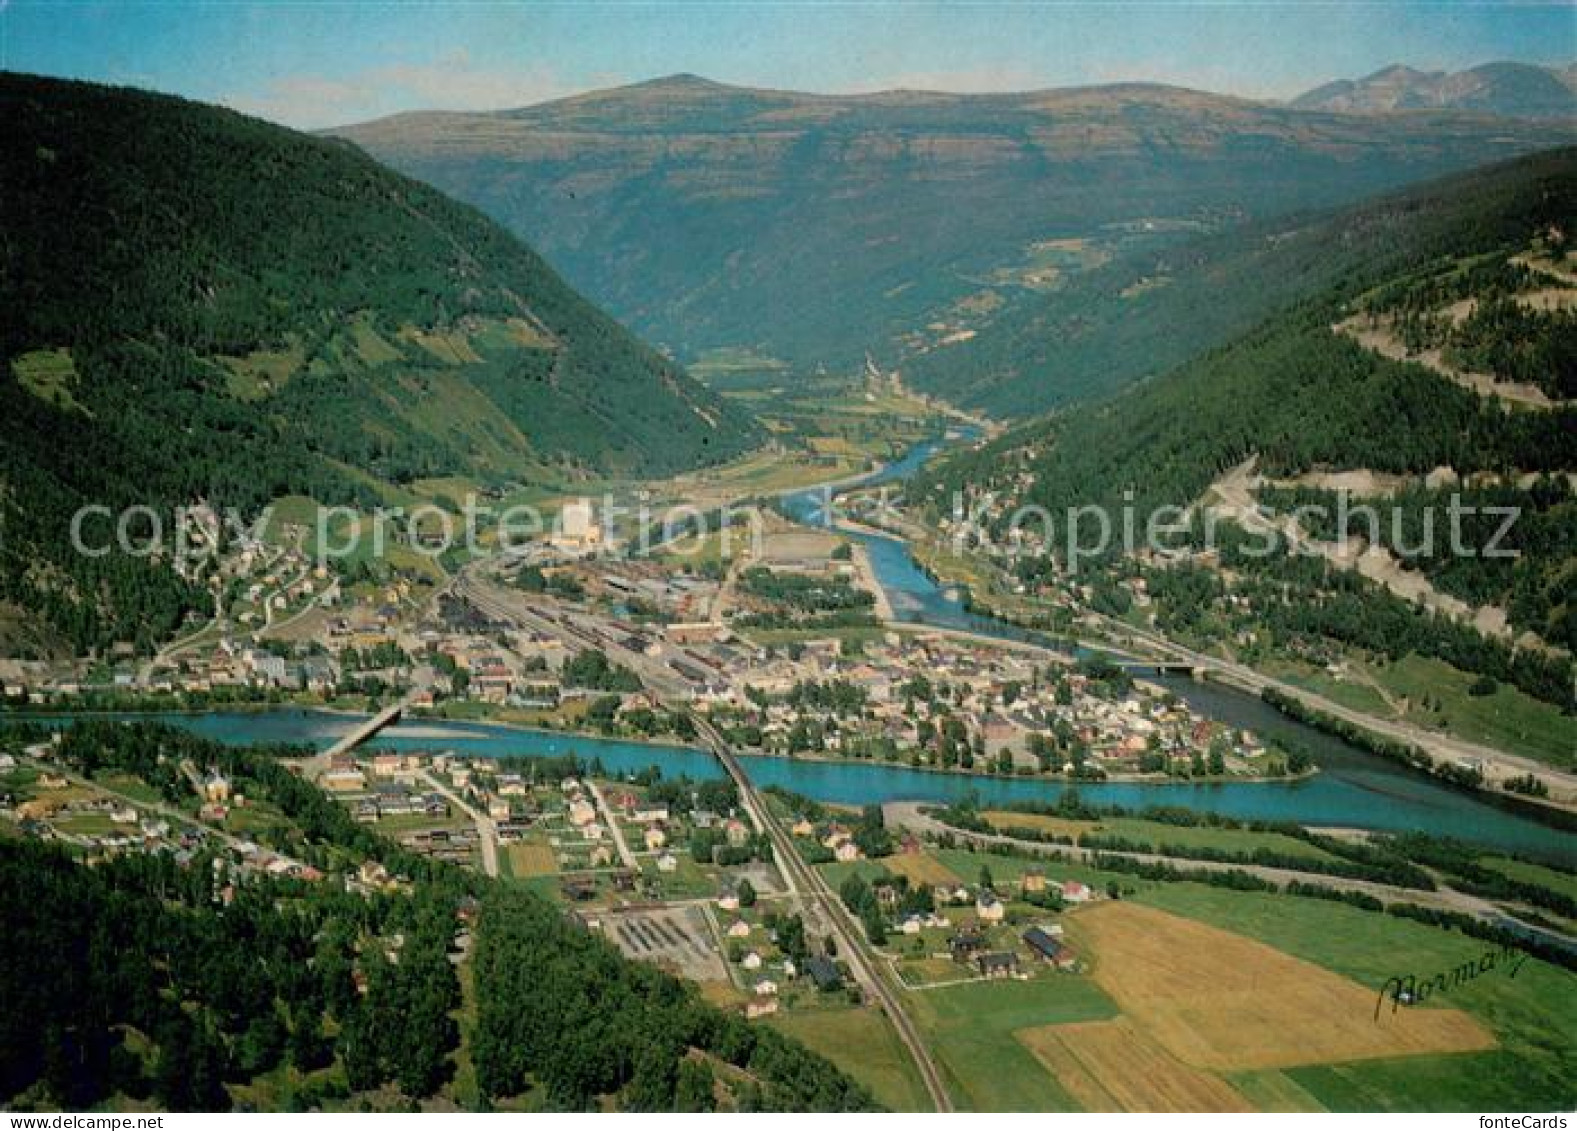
(816, 228)
(202, 305)
(1147, 313)
(1310, 393)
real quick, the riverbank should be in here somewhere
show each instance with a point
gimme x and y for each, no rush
(1365, 793)
(1456, 763)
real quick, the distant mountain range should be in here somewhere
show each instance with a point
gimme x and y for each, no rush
(203, 305)
(819, 228)
(1513, 90)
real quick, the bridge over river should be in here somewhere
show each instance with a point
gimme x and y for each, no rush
(364, 731)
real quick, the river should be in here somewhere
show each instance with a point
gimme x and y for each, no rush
(1354, 789)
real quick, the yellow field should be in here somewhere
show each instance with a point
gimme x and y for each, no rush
(1055, 826)
(1108, 1066)
(921, 869)
(526, 860)
(1219, 1001)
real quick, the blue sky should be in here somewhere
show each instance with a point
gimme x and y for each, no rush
(325, 62)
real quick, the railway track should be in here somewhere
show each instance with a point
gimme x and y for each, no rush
(804, 879)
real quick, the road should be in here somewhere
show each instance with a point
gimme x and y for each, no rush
(165, 656)
(329, 595)
(1499, 765)
(619, 843)
(908, 815)
(486, 830)
(163, 809)
(1562, 785)
(852, 948)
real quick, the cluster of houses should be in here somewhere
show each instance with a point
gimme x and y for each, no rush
(978, 943)
(836, 837)
(80, 821)
(972, 949)
(1001, 697)
(228, 665)
(764, 977)
(516, 669)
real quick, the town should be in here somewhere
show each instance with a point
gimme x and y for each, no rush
(785, 646)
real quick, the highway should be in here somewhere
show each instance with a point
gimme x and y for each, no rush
(808, 883)
(1498, 763)
(909, 815)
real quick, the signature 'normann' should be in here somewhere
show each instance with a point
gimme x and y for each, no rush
(1411, 989)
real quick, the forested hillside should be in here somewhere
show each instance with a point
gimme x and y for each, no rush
(186, 985)
(1145, 314)
(202, 305)
(816, 228)
(1307, 403)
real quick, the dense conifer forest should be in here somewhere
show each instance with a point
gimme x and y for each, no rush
(201, 305)
(147, 979)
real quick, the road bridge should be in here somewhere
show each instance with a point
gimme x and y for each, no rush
(318, 764)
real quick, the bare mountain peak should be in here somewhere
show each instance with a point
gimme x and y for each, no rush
(1399, 71)
(1504, 88)
(682, 80)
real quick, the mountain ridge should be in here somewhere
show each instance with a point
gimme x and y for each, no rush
(688, 208)
(207, 306)
(1503, 87)
(1141, 316)
(1365, 374)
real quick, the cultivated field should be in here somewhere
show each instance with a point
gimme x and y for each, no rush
(972, 1029)
(1223, 1002)
(1108, 1066)
(1533, 1016)
(921, 868)
(860, 1040)
(527, 860)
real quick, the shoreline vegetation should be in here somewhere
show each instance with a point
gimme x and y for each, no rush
(134, 708)
(1532, 797)
(1413, 861)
